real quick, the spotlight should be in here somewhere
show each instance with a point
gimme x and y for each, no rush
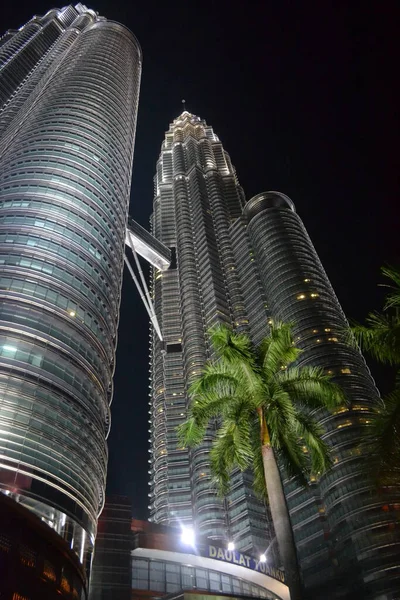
(231, 546)
(263, 558)
(187, 536)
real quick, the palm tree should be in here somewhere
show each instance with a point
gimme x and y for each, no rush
(263, 404)
(380, 337)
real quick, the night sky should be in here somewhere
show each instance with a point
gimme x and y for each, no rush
(305, 98)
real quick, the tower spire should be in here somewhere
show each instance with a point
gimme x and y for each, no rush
(184, 105)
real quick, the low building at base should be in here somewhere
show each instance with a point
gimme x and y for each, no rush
(141, 560)
(162, 565)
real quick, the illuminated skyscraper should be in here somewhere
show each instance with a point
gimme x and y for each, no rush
(244, 264)
(69, 86)
(197, 213)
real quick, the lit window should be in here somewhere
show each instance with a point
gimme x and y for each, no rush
(327, 329)
(65, 584)
(315, 330)
(332, 339)
(339, 410)
(48, 571)
(307, 280)
(346, 370)
(314, 295)
(301, 297)
(345, 424)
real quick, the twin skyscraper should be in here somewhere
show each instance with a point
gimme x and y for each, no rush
(69, 90)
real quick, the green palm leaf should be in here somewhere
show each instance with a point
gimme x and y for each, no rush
(380, 337)
(311, 386)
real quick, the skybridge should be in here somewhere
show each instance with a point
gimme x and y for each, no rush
(142, 243)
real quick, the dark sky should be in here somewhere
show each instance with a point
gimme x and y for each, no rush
(305, 98)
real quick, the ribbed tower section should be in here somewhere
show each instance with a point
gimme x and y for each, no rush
(70, 85)
(347, 532)
(197, 198)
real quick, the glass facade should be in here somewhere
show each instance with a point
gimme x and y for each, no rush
(346, 531)
(71, 82)
(167, 577)
(197, 213)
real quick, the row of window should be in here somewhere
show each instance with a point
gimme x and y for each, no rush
(171, 577)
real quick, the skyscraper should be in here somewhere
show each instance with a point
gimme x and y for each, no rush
(212, 278)
(244, 264)
(69, 86)
(346, 531)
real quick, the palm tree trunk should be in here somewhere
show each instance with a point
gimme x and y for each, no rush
(281, 521)
(279, 511)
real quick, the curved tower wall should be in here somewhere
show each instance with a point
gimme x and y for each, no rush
(345, 531)
(197, 200)
(64, 191)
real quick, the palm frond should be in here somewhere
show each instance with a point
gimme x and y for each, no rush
(278, 350)
(231, 448)
(190, 433)
(291, 456)
(207, 406)
(239, 409)
(392, 273)
(311, 386)
(380, 337)
(311, 433)
(216, 377)
(279, 414)
(392, 300)
(229, 345)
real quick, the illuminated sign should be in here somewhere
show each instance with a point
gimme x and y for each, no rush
(243, 560)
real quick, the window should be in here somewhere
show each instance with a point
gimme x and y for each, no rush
(188, 581)
(215, 581)
(140, 574)
(157, 576)
(172, 576)
(201, 579)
